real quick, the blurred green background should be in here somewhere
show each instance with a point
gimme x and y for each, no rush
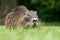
(48, 10)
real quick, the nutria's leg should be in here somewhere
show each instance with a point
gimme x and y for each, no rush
(19, 27)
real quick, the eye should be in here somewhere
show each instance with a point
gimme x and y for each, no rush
(28, 15)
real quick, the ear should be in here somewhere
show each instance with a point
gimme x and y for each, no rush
(35, 11)
(25, 13)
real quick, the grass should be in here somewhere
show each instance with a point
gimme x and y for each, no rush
(46, 32)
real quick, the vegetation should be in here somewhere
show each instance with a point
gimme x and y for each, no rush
(46, 32)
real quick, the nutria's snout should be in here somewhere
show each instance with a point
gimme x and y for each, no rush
(35, 21)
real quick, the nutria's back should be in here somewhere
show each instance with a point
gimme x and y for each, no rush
(15, 15)
(20, 9)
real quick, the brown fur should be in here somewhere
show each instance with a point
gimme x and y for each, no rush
(16, 14)
(12, 20)
(17, 17)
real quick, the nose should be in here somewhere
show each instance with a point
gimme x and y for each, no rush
(34, 21)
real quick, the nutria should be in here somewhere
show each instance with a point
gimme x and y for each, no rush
(20, 17)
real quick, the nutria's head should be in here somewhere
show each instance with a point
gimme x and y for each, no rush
(31, 18)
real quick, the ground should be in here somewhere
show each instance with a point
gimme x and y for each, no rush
(46, 32)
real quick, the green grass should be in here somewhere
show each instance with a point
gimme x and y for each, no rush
(46, 32)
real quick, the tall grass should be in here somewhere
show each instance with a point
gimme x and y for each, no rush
(50, 32)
